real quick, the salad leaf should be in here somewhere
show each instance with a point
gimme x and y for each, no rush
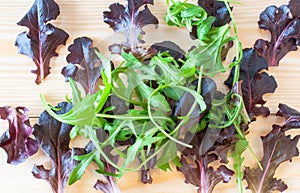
(174, 50)
(129, 20)
(53, 138)
(43, 38)
(84, 65)
(291, 115)
(255, 82)
(196, 169)
(16, 141)
(277, 148)
(283, 23)
(217, 9)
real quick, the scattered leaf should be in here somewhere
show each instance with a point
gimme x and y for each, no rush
(277, 148)
(43, 38)
(16, 141)
(283, 23)
(129, 20)
(291, 115)
(255, 82)
(53, 138)
(84, 65)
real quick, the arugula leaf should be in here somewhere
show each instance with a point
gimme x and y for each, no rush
(53, 138)
(255, 82)
(43, 38)
(240, 147)
(84, 65)
(129, 20)
(16, 141)
(210, 53)
(283, 23)
(277, 148)
(291, 115)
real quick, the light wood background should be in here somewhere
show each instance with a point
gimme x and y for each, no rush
(84, 18)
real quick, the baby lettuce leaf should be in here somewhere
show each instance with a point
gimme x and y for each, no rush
(16, 141)
(53, 138)
(129, 20)
(291, 115)
(283, 23)
(43, 38)
(277, 148)
(217, 9)
(255, 82)
(195, 166)
(84, 65)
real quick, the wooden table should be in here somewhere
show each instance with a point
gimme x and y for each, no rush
(84, 18)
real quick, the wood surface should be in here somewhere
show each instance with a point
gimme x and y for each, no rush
(84, 18)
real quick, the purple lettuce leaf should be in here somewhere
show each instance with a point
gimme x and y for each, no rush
(43, 38)
(255, 82)
(217, 9)
(291, 115)
(130, 21)
(53, 138)
(283, 23)
(174, 50)
(108, 186)
(203, 176)
(277, 148)
(16, 141)
(195, 161)
(83, 64)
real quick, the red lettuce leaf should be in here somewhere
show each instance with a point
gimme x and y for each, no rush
(203, 176)
(195, 161)
(255, 82)
(84, 65)
(43, 38)
(186, 102)
(107, 187)
(291, 115)
(283, 23)
(16, 141)
(277, 148)
(53, 138)
(217, 9)
(129, 20)
(174, 50)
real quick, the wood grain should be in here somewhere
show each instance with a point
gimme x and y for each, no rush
(84, 18)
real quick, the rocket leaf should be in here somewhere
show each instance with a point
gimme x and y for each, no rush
(16, 141)
(129, 20)
(53, 137)
(84, 65)
(43, 38)
(283, 23)
(277, 148)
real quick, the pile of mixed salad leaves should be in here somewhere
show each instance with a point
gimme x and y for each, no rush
(159, 107)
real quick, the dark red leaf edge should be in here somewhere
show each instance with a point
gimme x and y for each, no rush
(130, 20)
(16, 141)
(42, 39)
(283, 23)
(53, 138)
(291, 115)
(84, 66)
(277, 148)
